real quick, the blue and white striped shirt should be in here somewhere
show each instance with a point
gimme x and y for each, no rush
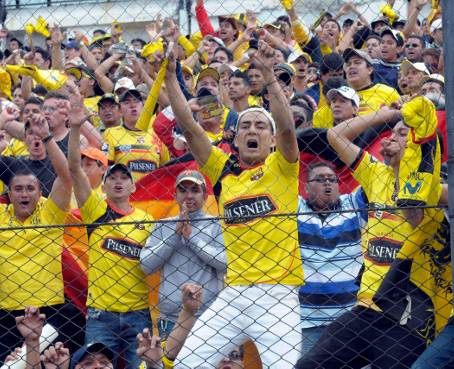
(331, 254)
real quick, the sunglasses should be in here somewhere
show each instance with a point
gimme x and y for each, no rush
(414, 46)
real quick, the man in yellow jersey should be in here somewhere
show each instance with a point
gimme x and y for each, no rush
(140, 151)
(117, 289)
(264, 266)
(400, 302)
(31, 257)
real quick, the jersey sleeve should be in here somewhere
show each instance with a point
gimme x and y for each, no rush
(94, 207)
(366, 169)
(285, 166)
(109, 146)
(215, 164)
(419, 114)
(52, 214)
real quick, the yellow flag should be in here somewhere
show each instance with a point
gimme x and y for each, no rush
(41, 27)
(152, 47)
(50, 79)
(143, 123)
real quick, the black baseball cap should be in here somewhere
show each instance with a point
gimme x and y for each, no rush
(115, 167)
(92, 348)
(133, 92)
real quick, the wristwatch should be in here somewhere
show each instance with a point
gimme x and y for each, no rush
(47, 139)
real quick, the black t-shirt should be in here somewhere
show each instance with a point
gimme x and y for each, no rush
(41, 168)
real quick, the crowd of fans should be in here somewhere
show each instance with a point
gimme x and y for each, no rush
(323, 145)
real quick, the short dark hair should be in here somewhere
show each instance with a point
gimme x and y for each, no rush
(56, 95)
(33, 100)
(303, 102)
(241, 75)
(22, 173)
(44, 54)
(334, 82)
(227, 51)
(421, 40)
(142, 42)
(39, 90)
(284, 19)
(347, 23)
(101, 31)
(318, 164)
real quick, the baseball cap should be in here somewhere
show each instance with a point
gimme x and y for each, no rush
(135, 93)
(436, 24)
(349, 52)
(191, 176)
(115, 167)
(72, 45)
(433, 78)
(379, 20)
(396, 35)
(92, 348)
(407, 64)
(217, 40)
(124, 82)
(230, 19)
(287, 68)
(186, 69)
(294, 57)
(95, 154)
(108, 97)
(345, 91)
(275, 25)
(77, 62)
(208, 72)
(80, 71)
(285, 77)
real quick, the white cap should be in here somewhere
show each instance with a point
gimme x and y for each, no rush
(407, 64)
(433, 78)
(124, 82)
(436, 24)
(345, 91)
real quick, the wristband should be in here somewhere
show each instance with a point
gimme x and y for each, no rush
(47, 139)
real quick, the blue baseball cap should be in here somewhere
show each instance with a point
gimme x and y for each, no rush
(91, 348)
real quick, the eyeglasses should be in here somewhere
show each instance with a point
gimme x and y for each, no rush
(414, 46)
(331, 180)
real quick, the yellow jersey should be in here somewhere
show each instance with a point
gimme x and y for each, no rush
(261, 246)
(91, 103)
(115, 280)
(387, 229)
(31, 272)
(141, 151)
(421, 163)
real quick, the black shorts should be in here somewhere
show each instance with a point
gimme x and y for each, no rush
(364, 336)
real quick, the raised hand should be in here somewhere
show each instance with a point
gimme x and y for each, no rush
(264, 58)
(8, 114)
(149, 348)
(183, 228)
(78, 113)
(192, 297)
(40, 125)
(56, 36)
(56, 357)
(30, 325)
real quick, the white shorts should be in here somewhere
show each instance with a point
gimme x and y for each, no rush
(269, 315)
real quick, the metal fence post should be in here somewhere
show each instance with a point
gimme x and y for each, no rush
(448, 29)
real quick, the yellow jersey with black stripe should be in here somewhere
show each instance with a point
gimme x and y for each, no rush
(141, 151)
(261, 243)
(115, 280)
(387, 229)
(31, 272)
(419, 173)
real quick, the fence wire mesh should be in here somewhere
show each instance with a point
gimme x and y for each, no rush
(205, 184)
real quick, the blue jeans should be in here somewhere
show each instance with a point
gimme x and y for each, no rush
(118, 331)
(440, 354)
(310, 337)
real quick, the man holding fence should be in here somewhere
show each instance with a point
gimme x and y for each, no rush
(264, 267)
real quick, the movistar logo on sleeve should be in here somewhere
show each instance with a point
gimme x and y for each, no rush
(412, 189)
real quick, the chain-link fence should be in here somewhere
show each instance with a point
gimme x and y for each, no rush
(204, 184)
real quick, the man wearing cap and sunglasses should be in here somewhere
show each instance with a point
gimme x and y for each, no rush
(188, 248)
(109, 112)
(117, 290)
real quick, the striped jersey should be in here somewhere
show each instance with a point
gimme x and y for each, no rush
(331, 255)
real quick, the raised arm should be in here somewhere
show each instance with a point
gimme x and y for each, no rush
(192, 300)
(30, 325)
(56, 38)
(77, 117)
(101, 72)
(341, 136)
(280, 109)
(196, 137)
(61, 188)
